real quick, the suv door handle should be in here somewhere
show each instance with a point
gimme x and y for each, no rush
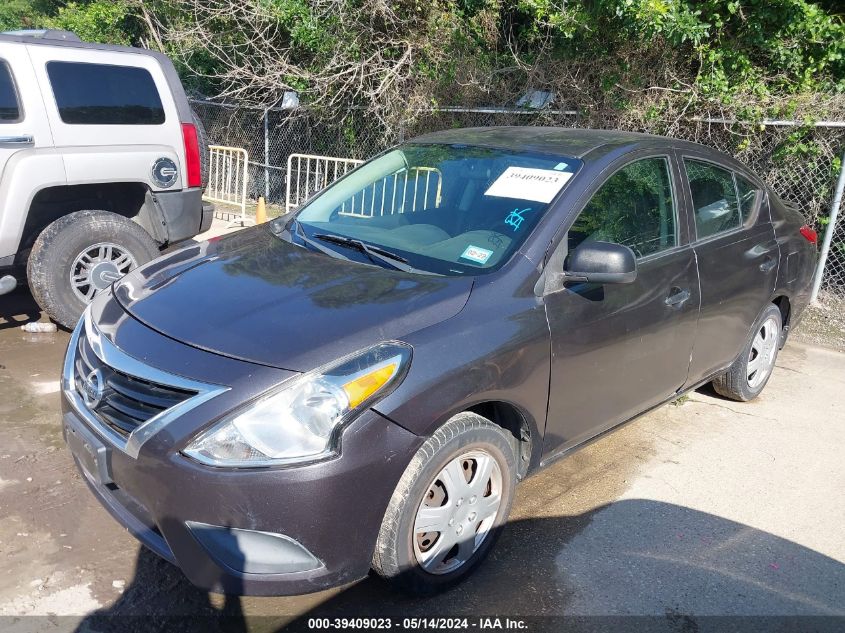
(677, 298)
(767, 265)
(24, 139)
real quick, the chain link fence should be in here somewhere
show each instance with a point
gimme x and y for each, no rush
(801, 164)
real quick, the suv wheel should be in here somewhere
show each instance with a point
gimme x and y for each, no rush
(80, 255)
(448, 507)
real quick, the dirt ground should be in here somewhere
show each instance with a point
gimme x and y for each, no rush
(824, 323)
(704, 507)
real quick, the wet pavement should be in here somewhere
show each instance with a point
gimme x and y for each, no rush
(703, 507)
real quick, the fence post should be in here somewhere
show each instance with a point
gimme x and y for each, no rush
(828, 234)
(266, 154)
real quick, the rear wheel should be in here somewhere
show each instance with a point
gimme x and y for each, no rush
(748, 376)
(449, 506)
(80, 255)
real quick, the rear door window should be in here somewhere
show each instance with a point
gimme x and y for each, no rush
(10, 109)
(714, 198)
(100, 94)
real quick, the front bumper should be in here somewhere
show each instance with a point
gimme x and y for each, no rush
(272, 531)
(332, 510)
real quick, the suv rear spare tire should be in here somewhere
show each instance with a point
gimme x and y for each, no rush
(80, 255)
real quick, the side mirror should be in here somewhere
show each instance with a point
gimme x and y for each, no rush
(602, 263)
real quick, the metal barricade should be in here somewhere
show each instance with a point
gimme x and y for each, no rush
(227, 179)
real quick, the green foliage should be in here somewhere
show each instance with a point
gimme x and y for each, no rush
(22, 14)
(731, 48)
(104, 21)
(743, 55)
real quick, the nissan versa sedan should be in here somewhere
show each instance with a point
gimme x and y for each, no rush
(362, 383)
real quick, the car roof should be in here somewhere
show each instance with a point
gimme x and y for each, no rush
(562, 141)
(68, 39)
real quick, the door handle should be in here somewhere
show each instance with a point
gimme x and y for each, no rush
(23, 139)
(767, 265)
(677, 298)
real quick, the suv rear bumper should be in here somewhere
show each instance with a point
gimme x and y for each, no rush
(207, 216)
(183, 213)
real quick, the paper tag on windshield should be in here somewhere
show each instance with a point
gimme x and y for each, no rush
(477, 254)
(525, 183)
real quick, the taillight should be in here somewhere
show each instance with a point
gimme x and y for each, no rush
(809, 234)
(192, 155)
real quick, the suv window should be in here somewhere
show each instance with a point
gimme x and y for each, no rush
(100, 94)
(9, 108)
(635, 207)
(714, 198)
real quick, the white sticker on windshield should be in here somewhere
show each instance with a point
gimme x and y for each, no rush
(525, 183)
(477, 254)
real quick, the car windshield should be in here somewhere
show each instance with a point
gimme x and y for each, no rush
(443, 209)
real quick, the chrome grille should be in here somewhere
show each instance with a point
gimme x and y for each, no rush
(123, 402)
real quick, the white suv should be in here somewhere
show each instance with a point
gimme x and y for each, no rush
(101, 165)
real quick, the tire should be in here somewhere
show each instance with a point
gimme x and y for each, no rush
(202, 141)
(740, 382)
(59, 247)
(400, 552)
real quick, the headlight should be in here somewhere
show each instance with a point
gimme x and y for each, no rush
(301, 420)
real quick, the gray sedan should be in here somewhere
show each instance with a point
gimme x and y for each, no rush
(360, 385)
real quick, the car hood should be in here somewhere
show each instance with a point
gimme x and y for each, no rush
(256, 297)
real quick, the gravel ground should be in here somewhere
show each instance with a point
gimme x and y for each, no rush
(824, 323)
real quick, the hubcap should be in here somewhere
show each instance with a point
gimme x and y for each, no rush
(97, 267)
(457, 512)
(761, 359)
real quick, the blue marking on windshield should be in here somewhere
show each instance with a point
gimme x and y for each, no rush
(515, 218)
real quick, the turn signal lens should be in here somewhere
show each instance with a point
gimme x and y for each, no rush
(809, 234)
(363, 387)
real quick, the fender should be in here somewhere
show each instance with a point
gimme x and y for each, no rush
(27, 172)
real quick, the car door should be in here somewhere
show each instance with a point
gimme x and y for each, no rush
(737, 254)
(23, 128)
(618, 349)
(13, 136)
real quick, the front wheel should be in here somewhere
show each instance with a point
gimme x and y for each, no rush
(449, 506)
(747, 377)
(80, 255)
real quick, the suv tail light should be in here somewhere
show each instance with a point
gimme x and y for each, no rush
(192, 155)
(809, 234)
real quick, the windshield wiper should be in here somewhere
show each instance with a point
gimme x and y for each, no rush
(315, 245)
(374, 253)
(367, 249)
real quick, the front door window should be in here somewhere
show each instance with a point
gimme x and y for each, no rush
(635, 208)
